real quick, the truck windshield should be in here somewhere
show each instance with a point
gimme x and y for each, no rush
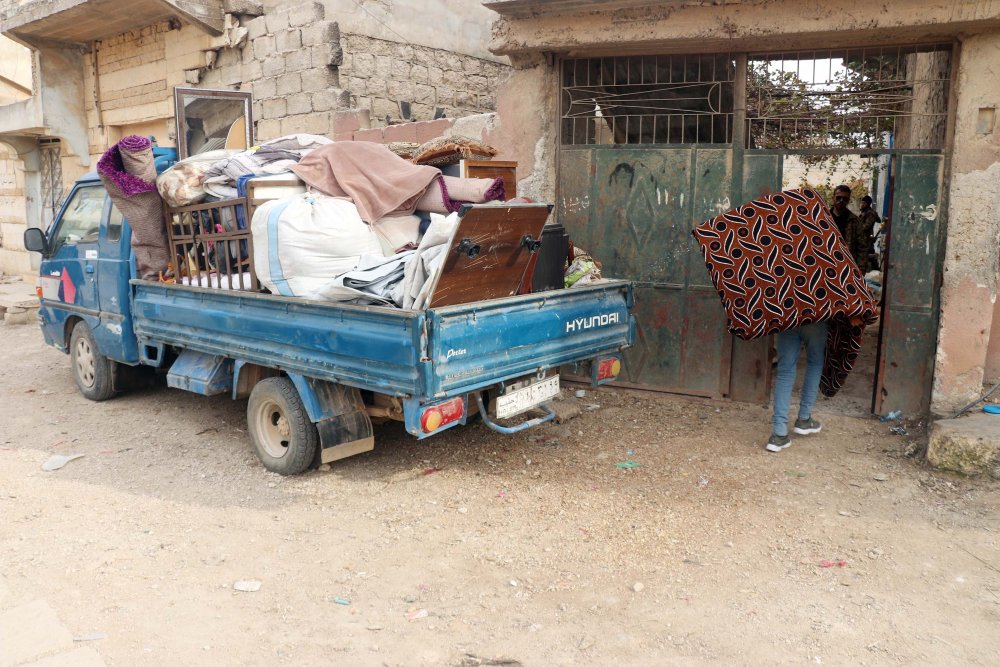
(81, 219)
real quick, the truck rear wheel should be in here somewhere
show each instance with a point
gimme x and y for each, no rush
(93, 372)
(285, 439)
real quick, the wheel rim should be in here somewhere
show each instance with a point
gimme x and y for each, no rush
(86, 364)
(273, 429)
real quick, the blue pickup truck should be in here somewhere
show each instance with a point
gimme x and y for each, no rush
(316, 374)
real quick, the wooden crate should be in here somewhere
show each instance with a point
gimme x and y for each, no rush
(207, 247)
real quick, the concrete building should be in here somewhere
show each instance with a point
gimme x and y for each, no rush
(585, 70)
(99, 70)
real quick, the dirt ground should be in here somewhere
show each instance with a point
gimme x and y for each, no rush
(472, 546)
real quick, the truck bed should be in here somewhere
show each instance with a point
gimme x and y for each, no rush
(428, 354)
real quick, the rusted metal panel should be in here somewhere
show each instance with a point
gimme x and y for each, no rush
(909, 335)
(633, 209)
(751, 366)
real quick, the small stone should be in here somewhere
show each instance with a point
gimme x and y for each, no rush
(324, 468)
(463, 510)
(247, 585)
(513, 582)
(844, 513)
(880, 477)
(637, 587)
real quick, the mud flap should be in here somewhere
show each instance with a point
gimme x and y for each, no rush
(345, 429)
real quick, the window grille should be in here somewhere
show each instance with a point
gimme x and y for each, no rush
(665, 99)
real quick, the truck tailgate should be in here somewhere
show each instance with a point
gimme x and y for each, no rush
(479, 344)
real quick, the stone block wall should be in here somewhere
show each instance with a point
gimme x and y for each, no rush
(379, 74)
(136, 74)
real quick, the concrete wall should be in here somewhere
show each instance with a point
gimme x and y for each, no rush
(305, 75)
(457, 26)
(15, 71)
(14, 260)
(135, 76)
(969, 291)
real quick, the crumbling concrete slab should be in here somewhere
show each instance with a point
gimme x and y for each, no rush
(18, 302)
(968, 445)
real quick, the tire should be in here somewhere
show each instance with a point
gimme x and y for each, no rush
(285, 440)
(94, 373)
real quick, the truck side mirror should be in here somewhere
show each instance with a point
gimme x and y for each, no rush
(34, 240)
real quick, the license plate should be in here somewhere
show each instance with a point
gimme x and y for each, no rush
(525, 398)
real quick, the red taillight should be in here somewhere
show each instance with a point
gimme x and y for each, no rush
(609, 368)
(436, 416)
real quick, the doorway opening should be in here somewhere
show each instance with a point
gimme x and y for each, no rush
(852, 117)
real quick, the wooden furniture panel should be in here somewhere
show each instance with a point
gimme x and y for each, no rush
(489, 253)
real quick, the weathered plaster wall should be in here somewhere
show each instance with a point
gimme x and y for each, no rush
(62, 92)
(15, 71)
(525, 131)
(707, 27)
(13, 258)
(970, 281)
(991, 374)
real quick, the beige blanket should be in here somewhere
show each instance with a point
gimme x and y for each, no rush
(378, 181)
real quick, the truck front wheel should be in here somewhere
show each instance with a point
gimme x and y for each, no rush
(285, 439)
(94, 373)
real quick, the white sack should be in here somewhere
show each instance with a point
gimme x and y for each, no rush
(302, 242)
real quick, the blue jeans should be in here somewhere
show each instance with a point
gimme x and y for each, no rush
(789, 344)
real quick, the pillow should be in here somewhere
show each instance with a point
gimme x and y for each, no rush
(451, 150)
(404, 149)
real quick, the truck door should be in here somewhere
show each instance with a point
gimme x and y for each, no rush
(114, 270)
(69, 275)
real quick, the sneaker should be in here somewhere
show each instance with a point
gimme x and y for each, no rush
(807, 426)
(777, 442)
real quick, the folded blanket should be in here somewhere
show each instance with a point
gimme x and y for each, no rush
(129, 175)
(447, 193)
(397, 233)
(779, 263)
(378, 181)
(271, 157)
(372, 282)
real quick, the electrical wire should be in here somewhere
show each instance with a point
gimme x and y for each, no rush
(981, 398)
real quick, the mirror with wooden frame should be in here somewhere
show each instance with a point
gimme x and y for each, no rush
(212, 119)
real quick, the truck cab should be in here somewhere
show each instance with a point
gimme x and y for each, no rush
(83, 281)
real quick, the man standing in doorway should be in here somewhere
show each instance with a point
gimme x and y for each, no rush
(870, 221)
(856, 237)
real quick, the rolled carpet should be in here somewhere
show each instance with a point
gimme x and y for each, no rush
(129, 174)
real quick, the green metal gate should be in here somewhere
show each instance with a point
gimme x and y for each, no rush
(908, 341)
(634, 208)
